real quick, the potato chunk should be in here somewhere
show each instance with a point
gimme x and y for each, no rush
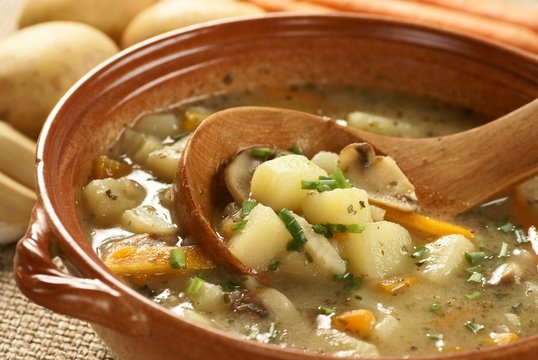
(277, 182)
(146, 220)
(381, 250)
(158, 125)
(262, 239)
(163, 162)
(138, 145)
(446, 257)
(326, 160)
(338, 206)
(108, 198)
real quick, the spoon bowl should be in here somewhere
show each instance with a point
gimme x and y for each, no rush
(451, 174)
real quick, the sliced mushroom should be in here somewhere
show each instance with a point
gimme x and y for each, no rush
(380, 176)
(508, 272)
(238, 173)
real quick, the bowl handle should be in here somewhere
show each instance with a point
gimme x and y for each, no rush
(40, 279)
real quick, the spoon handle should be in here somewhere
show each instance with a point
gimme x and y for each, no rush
(456, 172)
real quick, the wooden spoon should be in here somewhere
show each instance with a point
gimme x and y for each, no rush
(451, 174)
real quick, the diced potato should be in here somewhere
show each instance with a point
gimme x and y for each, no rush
(380, 251)
(446, 257)
(209, 298)
(295, 265)
(163, 162)
(262, 239)
(108, 198)
(381, 124)
(338, 206)
(326, 160)
(138, 146)
(277, 182)
(158, 125)
(386, 328)
(320, 250)
(378, 213)
(146, 220)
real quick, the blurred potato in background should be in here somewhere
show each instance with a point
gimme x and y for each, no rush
(109, 16)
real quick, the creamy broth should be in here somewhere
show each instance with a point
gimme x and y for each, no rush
(461, 312)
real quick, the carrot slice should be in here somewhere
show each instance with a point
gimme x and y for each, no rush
(149, 261)
(357, 322)
(499, 10)
(396, 283)
(426, 224)
(436, 16)
(105, 167)
(290, 5)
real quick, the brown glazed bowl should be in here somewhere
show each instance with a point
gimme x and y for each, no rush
(225, 57)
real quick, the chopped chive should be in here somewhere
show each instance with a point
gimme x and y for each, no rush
(297, 150)
(260, 152)
(521, 238)
(474, 327)
(325, 310)
(351, 282)
(309, 184)
(419, 252)
(476, 277)
(246, 207)
(506, 227)
(435, 337)
(299, 238)
(320, 185)
(516, 307)
(340, 178)
(337, 228)
(474, 295)
(474, 257)
(320, 229)
(177, 259)
(274, 266)
(473, 269)
(354, 228)
(240, 225)
(505, 251)
(196, 285)
(435, 307)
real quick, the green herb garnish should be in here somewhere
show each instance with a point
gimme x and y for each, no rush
(473, 326)
(297, 150)
(351, 282)
(177, 259)
(476, 277)
(505, 251)
(340, 178)
(240, 225)
(320, 229)
(195, 286)
(419, 252)
(506, 227)
(435, 307)
(474, 295)
(320, 185)
(473, 269)
(260, 152)
(521, 238)
(435, 337)
(299, 238)
(229, 286)
(246, 207)
(325, 310)
(475, 257)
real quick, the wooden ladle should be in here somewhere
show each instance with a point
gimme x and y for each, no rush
(451, 174)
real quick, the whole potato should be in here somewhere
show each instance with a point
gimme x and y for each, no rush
(40, 63)
(110, 16)
(170, 15)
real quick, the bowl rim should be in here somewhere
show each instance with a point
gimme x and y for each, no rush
(99, 268)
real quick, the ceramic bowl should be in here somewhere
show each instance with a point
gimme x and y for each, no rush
(227, 57)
